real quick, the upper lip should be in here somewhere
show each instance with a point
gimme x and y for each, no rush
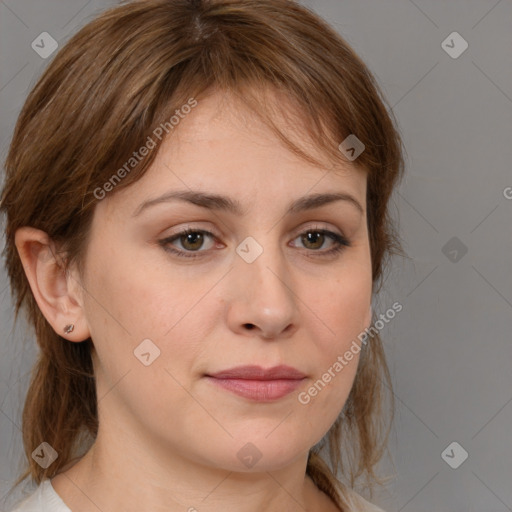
(252, 372)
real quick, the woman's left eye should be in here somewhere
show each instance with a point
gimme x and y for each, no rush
(192, 240)
(314, 236)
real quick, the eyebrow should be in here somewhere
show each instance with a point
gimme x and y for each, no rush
(224, 203)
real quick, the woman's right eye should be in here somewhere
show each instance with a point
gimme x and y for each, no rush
(190, 239)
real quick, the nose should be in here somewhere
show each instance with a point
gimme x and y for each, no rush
(263, 302)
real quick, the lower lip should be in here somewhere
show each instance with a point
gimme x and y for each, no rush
(258, 390)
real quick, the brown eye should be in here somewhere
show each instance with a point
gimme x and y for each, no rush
(313, 239)
(192, 241)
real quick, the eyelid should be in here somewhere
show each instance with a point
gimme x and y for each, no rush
(317, 226)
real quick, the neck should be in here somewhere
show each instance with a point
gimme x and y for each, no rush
(111, 477)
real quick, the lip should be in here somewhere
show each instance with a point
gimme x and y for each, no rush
(254, 372)
(257, 383)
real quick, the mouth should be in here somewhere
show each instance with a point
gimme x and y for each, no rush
(258, 384)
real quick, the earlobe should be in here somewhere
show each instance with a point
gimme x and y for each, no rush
(55, 291)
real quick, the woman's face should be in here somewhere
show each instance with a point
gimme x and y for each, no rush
(266, 288)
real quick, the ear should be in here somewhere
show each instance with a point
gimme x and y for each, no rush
(57, 293)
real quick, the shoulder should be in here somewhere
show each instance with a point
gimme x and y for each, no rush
(369, 507)
(359, 504)
(43, 499)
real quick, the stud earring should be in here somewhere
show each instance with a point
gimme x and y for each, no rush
(69, 328)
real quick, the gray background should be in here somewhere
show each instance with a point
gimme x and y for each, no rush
(449, 348)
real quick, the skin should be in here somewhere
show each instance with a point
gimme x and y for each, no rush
(168, 439)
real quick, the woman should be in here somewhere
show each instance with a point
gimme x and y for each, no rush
(197, 219)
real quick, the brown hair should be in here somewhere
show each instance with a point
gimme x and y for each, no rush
(105, 92)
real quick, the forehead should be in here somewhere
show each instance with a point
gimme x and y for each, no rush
(223, 147)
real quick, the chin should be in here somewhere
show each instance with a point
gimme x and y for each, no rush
(257, 453)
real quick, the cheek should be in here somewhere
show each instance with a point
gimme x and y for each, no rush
(341, 309)
(132, 312)
(343, 306)
(129, 301)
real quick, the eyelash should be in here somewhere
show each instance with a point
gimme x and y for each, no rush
(340, 240)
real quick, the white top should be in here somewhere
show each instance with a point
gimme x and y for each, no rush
(45, 499)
